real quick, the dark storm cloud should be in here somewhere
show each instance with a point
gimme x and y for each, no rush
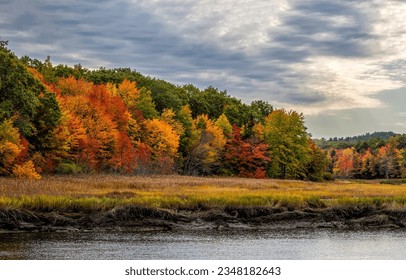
(138, 34)
(24, 21)
(103, 30)
(300, 98)
(286, 54)
(311, 19)
(325, 7)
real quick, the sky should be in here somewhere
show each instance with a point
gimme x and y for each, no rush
(342, 63)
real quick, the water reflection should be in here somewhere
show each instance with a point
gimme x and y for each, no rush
(259, 244)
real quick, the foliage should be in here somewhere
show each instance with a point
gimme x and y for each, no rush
(125, 157)
(146, 104)
(288, 142)
(245, 158)
(73, 120)
(206, 144)
(10, 146)
(365, 141)
(68, 168)
(22, 96)
(26, 170)
(223, 123)
(260, 109)
(74, 87)
(208, 102)
(129, 93)
(387, 161)
(315, 169)
(161, 137)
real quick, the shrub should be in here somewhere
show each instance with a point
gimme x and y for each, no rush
(327, 176)
(68, 168)
(393, 182)
(26, 170)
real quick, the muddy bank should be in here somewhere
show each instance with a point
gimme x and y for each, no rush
(229, 218)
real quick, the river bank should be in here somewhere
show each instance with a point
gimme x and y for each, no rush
(121, 202)
(132, 218)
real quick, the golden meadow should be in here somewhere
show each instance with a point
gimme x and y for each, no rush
(105, 192)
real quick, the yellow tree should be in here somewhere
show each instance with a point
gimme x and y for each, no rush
(368, 165)
(91, 111)
(168, 115)
(10, 146)
(73, 136)
(26, 170)
(72, 86)
(164, 143)
(129, 93)
(10, 149)
(206, 144)
(258, 131)
(161, 137)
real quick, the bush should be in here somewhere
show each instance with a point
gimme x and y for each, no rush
(327, 176)
(26, 170)
(68, 168)
(393, 182)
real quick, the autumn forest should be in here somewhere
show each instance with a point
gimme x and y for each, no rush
(69, 120)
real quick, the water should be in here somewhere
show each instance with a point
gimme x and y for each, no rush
(247, 244)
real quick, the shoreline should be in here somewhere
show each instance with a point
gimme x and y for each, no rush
(119, 203)
(134, 218)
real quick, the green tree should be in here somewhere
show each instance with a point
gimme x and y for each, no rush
(288, 141)
(236, 112)
(34, 110)
(225, 125)
(146, 104)
(47, 119)
(209, 102)
(3, 44)
(19, 93)
(260, 109)
(184, 117)
(317, 164)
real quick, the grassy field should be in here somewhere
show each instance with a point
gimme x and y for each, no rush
(104, 192)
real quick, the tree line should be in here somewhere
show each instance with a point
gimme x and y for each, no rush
(373, 139)
(372, 159)
(61, 119)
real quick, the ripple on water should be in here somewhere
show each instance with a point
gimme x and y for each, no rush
(244, 244)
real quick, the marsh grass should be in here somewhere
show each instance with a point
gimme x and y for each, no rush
(105, 192)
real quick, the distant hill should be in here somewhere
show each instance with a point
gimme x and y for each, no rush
(383, 135)
(341, 142)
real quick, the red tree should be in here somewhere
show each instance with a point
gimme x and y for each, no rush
(245, 158)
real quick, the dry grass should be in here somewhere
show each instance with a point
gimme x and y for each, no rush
(180, 192)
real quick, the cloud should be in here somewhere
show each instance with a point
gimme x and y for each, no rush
(312, 55)
(332, 51)
(401, 124)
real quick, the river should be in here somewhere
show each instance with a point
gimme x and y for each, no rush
(244, 244)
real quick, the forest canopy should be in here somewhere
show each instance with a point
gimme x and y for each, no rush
(62, 119)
